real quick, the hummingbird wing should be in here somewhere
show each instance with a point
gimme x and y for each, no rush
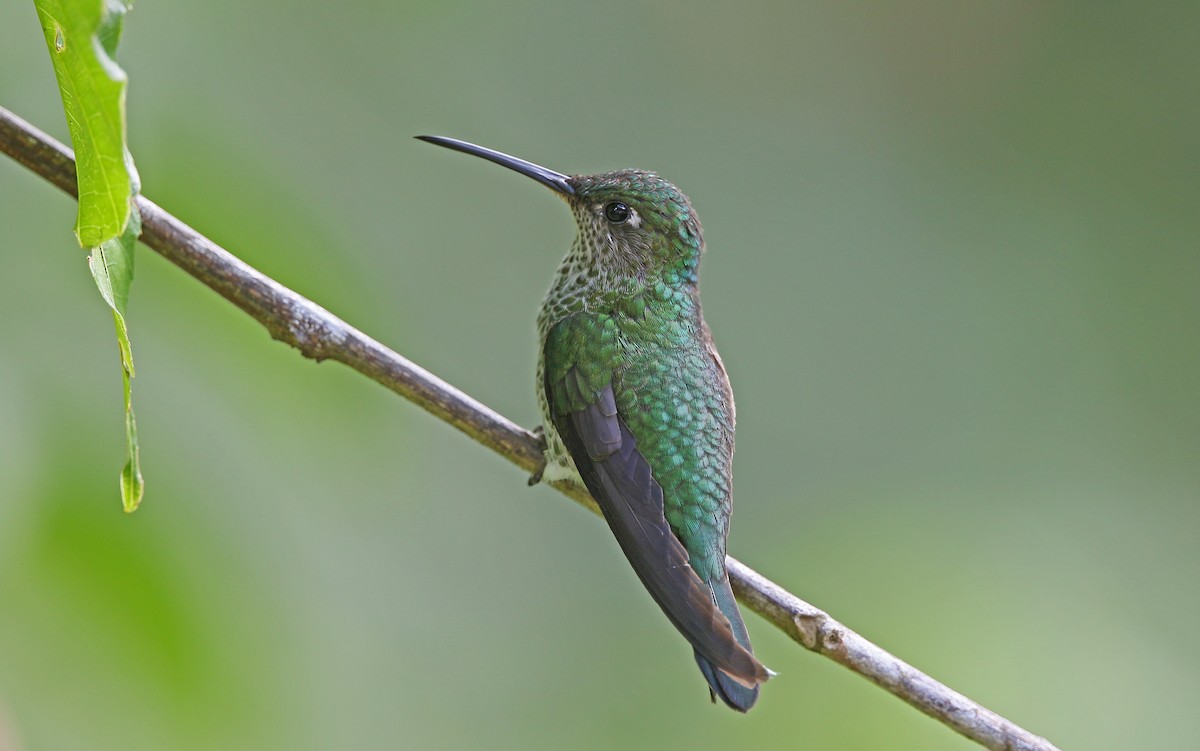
(578, 370)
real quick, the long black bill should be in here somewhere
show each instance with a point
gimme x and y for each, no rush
(553, 180)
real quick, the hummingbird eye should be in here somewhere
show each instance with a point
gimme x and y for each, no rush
(616, 212)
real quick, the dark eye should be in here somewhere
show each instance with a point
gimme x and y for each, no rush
(616, 212)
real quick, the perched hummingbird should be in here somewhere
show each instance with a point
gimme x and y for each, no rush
(636, 404)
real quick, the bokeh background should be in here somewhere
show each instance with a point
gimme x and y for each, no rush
(953, 269)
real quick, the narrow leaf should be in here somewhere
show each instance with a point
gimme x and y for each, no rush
(82, 36)
(112, 267)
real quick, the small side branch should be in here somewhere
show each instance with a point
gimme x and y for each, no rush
(320, 335)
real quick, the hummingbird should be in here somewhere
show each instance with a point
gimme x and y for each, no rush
(636, 404)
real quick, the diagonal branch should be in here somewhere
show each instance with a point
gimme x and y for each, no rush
(320, 335)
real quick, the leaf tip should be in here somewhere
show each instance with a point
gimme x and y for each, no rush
(133, 487)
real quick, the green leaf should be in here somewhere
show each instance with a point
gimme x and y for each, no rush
(82, 36)
(112, 267)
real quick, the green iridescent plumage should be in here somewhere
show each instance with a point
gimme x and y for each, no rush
(637, 405)
(670, 391)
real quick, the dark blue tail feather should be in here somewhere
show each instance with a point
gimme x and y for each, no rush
(721, 686)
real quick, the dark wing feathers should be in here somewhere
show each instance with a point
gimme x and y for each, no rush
(622, 482)
(598, 429)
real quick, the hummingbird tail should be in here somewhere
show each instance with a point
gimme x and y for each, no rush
(735, 694)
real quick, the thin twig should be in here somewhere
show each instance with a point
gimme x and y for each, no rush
(320, 335)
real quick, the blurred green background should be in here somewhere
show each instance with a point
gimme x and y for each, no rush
(953, 269)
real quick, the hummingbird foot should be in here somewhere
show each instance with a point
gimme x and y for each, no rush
(536, 477)
(540, 434)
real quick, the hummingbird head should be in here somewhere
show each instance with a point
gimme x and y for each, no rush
(638, 222)
(631, 223)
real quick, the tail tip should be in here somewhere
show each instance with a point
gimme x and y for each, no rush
(733, 694)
